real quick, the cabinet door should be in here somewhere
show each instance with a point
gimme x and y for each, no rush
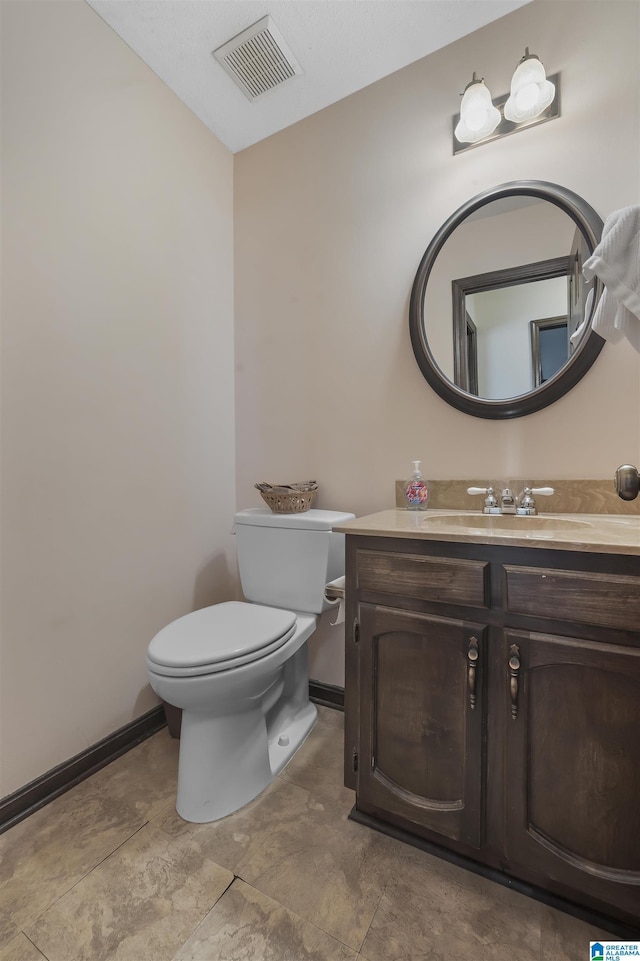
(573, 764)
(422, 720)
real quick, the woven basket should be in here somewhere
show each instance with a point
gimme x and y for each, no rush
(288, 501)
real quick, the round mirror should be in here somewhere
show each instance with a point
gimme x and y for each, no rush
(500, 314)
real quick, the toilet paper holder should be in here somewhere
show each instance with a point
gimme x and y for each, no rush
(334, 593)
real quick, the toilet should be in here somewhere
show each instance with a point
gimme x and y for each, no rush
(240, 670)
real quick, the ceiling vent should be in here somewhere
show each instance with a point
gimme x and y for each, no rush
(258, 59)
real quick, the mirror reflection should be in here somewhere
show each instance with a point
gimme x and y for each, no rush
(506, 298)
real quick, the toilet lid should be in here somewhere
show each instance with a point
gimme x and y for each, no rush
(230, 633)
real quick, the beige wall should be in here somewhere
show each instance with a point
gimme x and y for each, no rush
(117, 326)
(117, 378)
(332, 217)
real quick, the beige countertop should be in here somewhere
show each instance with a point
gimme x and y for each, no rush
(600, 533)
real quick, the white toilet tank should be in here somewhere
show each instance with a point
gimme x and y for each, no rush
(285, 560)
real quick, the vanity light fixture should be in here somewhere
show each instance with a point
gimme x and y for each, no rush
(478, 116)
(534, 98)
(531, 92)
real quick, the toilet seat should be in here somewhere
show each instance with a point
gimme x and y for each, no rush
(219, 638)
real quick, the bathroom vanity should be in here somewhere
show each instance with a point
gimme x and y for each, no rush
(492, 694)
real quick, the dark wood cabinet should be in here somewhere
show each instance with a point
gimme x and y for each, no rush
(492, 706)
(423, 697)
(573, 765)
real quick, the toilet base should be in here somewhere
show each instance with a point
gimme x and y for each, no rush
(258, 720)
(214, 782)
(284, 744)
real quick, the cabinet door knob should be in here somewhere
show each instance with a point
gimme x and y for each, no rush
(472, 664)
(514, 678)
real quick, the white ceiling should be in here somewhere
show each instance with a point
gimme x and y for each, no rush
(342, 46)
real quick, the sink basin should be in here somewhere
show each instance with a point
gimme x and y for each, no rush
(516, 523)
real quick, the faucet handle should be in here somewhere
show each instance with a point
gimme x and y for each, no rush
(526, 503)
(490, 501)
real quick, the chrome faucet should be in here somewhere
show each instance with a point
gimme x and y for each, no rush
(507, 502)
(524, 505)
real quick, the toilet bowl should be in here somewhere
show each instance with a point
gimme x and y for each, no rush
(239, 670)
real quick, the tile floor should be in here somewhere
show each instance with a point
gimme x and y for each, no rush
(109, 871)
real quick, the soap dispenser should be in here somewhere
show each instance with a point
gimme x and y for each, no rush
(416, 490)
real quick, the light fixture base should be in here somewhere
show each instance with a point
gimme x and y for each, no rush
(507, 127)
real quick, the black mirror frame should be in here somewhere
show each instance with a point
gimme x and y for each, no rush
(590, 225)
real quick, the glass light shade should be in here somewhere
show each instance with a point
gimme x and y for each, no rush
(531, 92)
(478, 116)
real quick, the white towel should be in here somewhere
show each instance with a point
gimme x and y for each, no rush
(616, 261)
(579, 331)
